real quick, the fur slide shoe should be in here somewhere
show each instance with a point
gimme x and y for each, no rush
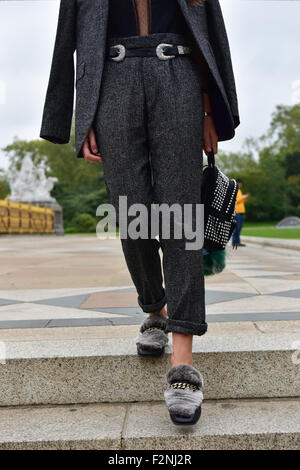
(184, 397)
(152, 338)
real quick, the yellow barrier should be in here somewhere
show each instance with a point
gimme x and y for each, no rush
(16, 217)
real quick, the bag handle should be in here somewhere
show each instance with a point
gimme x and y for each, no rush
(211, 159)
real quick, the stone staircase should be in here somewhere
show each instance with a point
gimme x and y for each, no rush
(98, 394)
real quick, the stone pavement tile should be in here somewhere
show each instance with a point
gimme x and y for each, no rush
(76, 322)
(259, 303)
(11, 263)
(32, 311)
(288, 268)
(65, 333)
(110, 299)
(224, 424)
(132, 311)
(62, 427)
(136, 320)
(10, 325)
(73, 301)
(8, 302)
(31, 295)
(52, 277)
(236, 287)
(279, 326)
(269, 286)
(117, 331)
(245, 267)
(266, 276)
(212, 297)
(289, 293)
(225, 277)
(253, 316)
(292, 277)
(226, 328)
(245, 273)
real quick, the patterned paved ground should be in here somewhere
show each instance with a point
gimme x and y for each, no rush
(82, 281)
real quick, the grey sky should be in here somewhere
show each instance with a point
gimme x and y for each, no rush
(264, 37)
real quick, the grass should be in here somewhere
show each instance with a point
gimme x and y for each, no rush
(267, 229)
(252, 229)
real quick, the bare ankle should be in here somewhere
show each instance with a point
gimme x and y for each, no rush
(182, 349)
(182, 359)
(162, 313)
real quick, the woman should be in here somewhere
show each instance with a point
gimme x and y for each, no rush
(155, 88)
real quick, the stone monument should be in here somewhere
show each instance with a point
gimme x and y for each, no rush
(31, 185)
(289, 222)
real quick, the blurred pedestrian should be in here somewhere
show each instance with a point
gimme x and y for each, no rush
(240, 210)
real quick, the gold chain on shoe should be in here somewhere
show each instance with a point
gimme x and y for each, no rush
(183, 385)
(153, 328)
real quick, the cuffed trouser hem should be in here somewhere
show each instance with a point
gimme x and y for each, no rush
(152, 308)
(185, 327)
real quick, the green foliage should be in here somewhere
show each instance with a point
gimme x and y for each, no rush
(273, 178)
(80, 188)
(4, 187)
(84, 223)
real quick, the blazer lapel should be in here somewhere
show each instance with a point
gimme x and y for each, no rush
(100, 20)
(195, 16)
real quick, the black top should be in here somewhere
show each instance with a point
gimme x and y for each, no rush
(139, 17)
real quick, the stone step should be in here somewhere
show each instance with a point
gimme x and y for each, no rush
(109, 370)
(226, 424)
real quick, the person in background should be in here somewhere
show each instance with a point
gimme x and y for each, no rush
(240, 210)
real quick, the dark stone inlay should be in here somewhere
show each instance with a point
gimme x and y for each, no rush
(63, 322)
(129, 311)
(216, 296)
(11, 302)
(71, 301)
(289, 293)
(12, 324)
(257, 316)
(137, 319)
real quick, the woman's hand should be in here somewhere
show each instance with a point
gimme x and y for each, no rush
(210, 137)
(90, 148)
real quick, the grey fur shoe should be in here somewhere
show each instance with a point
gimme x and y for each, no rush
(152, 338)
(184, 396)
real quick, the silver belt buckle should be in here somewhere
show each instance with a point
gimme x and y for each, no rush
(160, 51)
(122, 52)
(162, 56)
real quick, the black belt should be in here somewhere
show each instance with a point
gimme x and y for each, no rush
(162, 51)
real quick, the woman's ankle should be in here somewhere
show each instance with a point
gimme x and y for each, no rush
(182, 349)
(162, 313)
(186, 358)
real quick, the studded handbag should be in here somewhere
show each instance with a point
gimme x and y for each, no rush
(219, 198)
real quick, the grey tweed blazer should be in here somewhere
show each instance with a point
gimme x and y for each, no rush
(82, 26)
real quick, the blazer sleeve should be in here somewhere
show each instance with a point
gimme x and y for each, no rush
(221, 49)
(58, 107)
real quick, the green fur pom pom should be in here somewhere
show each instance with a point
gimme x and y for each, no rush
(214, 261)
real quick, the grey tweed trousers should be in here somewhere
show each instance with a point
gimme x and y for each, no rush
(149, 126)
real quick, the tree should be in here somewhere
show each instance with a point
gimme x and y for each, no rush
(81, 185)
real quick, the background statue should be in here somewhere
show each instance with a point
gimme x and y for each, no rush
(31, 182)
